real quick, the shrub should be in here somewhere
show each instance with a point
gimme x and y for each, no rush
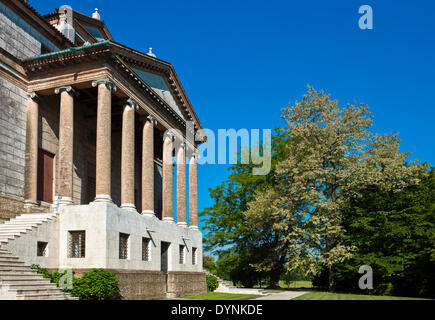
(98, 284)
(212, 283)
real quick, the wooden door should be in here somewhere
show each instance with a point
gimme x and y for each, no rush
(45, 176)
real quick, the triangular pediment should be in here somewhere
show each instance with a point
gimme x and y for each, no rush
(160, 87)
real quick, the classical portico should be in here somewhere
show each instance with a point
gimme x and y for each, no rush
(103, 191)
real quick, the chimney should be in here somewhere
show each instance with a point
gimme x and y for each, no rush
(96, 15)
(65, 24)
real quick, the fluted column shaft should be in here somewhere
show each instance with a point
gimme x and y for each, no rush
(104, 137)
(66, 144)
(31, 172)
(193, 193)
(181, 186)
(148, 166)
(167, 188)
(127, 156)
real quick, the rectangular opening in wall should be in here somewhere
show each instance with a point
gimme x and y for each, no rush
(76, 244)
(182, 254)
(123, 245)
(45, 176)
(146, 256)
(42, 249)
(193, 256)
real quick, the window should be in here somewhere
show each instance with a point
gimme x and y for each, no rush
(123, 245)
(181, 254)
(42, 249)
(146, 249)
(193, 256)
(76, 244)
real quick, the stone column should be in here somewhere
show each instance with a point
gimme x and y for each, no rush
(181, 185)
(127, 156)
(167, 188)
(31, 172)
(104, 137)
(148, 166)
(193, 194)
(66, 141)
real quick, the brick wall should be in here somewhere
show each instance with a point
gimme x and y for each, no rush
(186, 283)
(17, 41)
(137, 284)
(12, 140)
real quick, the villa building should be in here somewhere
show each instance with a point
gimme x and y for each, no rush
(89, 129)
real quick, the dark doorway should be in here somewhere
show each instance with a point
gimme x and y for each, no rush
(90, 182)
(45, 176)
(164, 256)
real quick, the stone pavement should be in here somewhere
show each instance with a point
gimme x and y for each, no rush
(285, 295)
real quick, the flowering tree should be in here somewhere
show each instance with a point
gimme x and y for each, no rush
(332, 156)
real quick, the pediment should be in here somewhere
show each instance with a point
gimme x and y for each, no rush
(160, 87)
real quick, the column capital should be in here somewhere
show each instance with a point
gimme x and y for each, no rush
(151, 119)
(33, 95)
(169, 135)
(183, 145)
(68, 89)
(107, 82)
(132, 103)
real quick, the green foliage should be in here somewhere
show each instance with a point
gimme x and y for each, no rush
(238, 246)
(98, 284)
(395, 234)
(212, 283)
(208, 262)
(54, 277)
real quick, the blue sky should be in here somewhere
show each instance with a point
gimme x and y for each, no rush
(241, 61)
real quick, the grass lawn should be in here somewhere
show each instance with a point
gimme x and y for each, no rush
(318, 295)
(222, 296)
(293, 285)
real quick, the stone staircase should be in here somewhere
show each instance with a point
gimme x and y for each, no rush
(17, 280)
(226, 287)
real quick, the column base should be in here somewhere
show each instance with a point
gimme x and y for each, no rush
(148, 213)
(168, 219)
(65, 201)
(194, 228)
(31, 204)
(129, 207)
(182, 224)
(103, 198)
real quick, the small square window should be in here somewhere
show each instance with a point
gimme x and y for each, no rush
(123, 245)
(181, 254)
(76, 244)
(194, 256)
(146, 249)
(42, 249)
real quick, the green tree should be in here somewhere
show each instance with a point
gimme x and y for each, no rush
(239, 248)
(394, 233)
(332, 158)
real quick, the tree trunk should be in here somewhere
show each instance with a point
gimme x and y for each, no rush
(331, 281)
(275, 274)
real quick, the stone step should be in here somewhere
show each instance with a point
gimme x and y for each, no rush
(37, 215)
(6, 258)
(21, 223)
(10, 226)
(4, 233)
(15, 274)
(12, 263)
(60, 296)
(45, 289)
(25, 282)
(32, 219)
